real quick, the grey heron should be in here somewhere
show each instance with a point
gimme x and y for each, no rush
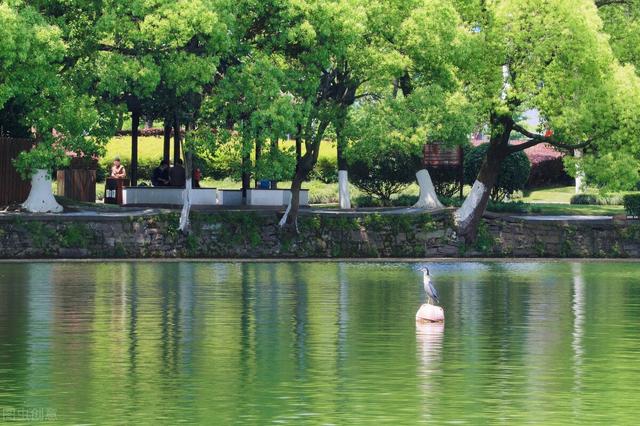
(429, 289)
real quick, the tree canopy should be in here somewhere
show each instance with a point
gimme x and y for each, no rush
(379, 74)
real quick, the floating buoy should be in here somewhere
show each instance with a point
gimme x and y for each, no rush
(430, 313)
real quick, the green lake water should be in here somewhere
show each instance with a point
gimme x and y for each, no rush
(319, 343)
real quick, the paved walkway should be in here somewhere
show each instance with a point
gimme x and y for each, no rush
(563, 218)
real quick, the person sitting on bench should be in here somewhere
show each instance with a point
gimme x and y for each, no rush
(117, 169)
(177, 175)
(160, 175)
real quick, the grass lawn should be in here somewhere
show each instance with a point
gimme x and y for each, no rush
(150, 147)
(550, 195)
(577, 209)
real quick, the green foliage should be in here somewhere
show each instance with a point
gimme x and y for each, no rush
(383, 76)
(276, 164)
(341, 223)
(191, 242)
(30, 53)
(75, 235)
(42, 235)
(513, 175)
(403, 200)
(35, 94)
(446, 181)
(40, 157)
(632, 204)
(326, 170)
(484, 242)
(622, 23)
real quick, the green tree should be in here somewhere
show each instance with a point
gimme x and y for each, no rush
(552, 56)
(30, 52)
(35, 94)
(157, 58)
(349, 53)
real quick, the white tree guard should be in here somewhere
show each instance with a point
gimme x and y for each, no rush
(41, 199)
(186, 206)
(428, 198)
(343, 189)
(283, 221)
(464, 214)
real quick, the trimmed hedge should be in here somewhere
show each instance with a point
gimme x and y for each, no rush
(632, 204)
(596, 200)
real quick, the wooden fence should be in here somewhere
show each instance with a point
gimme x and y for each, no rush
(12, 188)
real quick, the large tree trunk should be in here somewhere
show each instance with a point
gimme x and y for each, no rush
(41, 199)
(256, 181)
(468, 216)
(274, 145)
(166, 151)
(246, 175)
(303, 168)
(428, 199)
(120, 121)
(176, 138)
(291, 213)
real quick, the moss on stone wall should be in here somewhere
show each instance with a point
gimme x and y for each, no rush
(243, 234)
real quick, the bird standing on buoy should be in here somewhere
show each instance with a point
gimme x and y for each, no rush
(429, 289)
(429, 312)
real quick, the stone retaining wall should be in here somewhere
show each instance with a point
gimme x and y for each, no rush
(256, 235)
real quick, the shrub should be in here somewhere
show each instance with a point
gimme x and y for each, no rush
(387, 173)
(404, 200)
(447, 180)
(326, 170)
(588, 199)
(497, 206)
(513, 175)
(366, 201)
(596, 200)
(323, 195)
(145, 132)
(632, 204)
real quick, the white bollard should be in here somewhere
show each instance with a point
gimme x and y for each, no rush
(430, 313)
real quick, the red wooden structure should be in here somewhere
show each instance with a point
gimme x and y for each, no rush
(12, 188)
(78, 182)
(439, 156)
